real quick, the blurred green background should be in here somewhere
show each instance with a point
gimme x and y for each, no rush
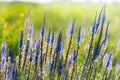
(59, 16)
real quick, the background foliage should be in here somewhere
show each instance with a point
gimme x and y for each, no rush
(59, 16)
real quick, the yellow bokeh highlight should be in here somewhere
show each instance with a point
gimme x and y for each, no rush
(6, 24)
(7, 14)
(21, 15)
(17, 22)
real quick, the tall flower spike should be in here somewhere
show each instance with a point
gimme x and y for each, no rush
(3, 47)
(43, 26)
(104, 14)
(26, 52)
(48, 38)
(30, 57)
(3, 61)
(70, 29)
(106, 33)
(30, 32)
(94, 25)
(78, 38)
(56, 54)
(47, 47)
(21, 40)
(81, 35)
(27, 46)
(51, 64)
(73, 25)
(58, 46)
(10, 55)
(14, 72)
(70, 42)
(27, 20)
(97, 53)
(99, 19)
(107, 60)
(37, 55)
(60, 65)
(74, 56)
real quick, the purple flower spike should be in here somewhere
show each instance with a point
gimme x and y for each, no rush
(30, 57)
(70, 29)
(3, 48)
(81, 35)
(42, 33)
(30, 32)
(48, 38)
(94, 26)
(58, 46)
(106, 33)
(99, 19)
(107, 60)
(104, 14)
(72, 58)
(21, 40)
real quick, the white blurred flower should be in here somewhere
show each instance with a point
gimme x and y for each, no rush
(118, 45)
(118, 66)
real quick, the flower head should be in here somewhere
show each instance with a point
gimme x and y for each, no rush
(97, 53)
(59, 43)
(27, 46)
(51, 65)
(10, 55)
(107, 60)
(30, 57)
(94, 25)
(30, 31)
(81, 35)
(21, 40)
(70, 29)
(48, 38)
(72, 58)
(78, 38)
(99, 19)
(3, 61)
(37, 54)
(106, 33)
(3, 47)
(43, 30)
(14, 72)
(104, 16)
(60, 66)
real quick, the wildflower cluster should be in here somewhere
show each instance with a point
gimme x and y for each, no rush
(43, 58)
